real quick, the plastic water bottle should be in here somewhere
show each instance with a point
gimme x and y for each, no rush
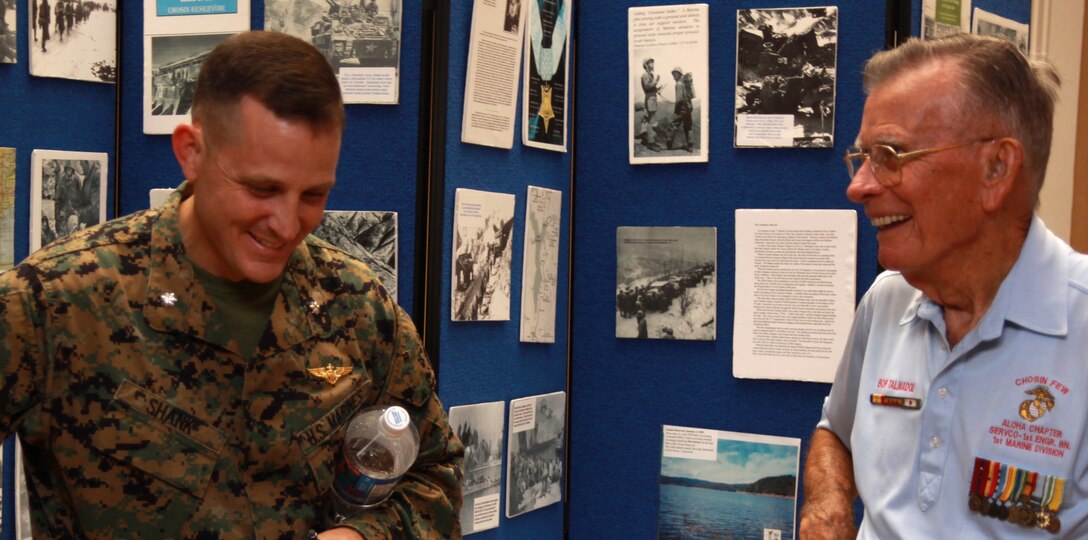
(380, 445)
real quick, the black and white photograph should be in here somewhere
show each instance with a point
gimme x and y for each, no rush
(482, 254)
(23, 530)
(8, 30)
(175, 65)
(669, 69)
(360, 38)
(513, 16)
(480, 428)
(534, 461)
(991, 24)
(370, 236)
(786, 62)
(667, 282)
(67, 193)
(73, 39)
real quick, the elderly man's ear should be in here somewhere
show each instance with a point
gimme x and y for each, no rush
(1003, 167)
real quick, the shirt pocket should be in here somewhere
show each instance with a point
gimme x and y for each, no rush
(320, 442)
(148, 432)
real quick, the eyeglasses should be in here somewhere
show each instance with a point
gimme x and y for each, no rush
(887, 163)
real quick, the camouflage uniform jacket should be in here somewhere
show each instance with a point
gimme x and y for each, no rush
(139, 418)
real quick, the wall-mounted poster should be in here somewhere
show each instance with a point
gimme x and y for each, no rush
(360, 38)
(370, 236)
(73, 39)
(722, 484)
(178, 35)
(540, 264)
(990, 24)
(667, 282)
(67, 193)
(786, 77)
(480, 428)
(944, 17)
(491, 77)
(547, 48)
(668, 63)
(483, 225)
(8, 30)
(7, 208)
(535, 450)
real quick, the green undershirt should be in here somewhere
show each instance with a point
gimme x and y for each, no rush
(244, 305)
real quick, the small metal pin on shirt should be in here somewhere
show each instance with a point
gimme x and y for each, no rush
(168, 299)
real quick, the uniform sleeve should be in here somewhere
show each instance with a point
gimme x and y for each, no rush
(427, 501)
(841, 403)
(23, 373)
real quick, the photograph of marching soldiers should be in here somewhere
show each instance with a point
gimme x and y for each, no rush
(370, 236)
(482, 251)
(480, 428)
(786, 66)
(534, 467)
(73, 39)
(175, 64)
(68, 194)
(666, 282)
(8, 30)
(350, 33)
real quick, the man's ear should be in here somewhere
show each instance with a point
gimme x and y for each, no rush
(188, 144)
(1003, 167)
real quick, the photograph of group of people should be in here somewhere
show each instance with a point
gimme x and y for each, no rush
(68, 194)
(73, 39)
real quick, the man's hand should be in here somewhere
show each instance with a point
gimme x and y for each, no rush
(340, 533)
(828, 513)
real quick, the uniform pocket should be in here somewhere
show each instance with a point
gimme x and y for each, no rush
(320, 442)
(149, 433)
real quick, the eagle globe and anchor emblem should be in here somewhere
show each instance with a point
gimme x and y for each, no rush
(1037, 407)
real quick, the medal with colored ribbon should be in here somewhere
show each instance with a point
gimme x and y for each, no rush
(1016, 495)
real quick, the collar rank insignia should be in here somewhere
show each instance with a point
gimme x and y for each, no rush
(330, 373)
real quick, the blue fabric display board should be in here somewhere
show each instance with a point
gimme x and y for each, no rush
(620, 391)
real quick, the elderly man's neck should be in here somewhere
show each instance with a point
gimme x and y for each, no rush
(966, 284)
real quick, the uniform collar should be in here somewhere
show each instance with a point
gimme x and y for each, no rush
(1033, 295)
(177, 302)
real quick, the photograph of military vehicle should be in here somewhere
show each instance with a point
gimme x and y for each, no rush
(666, 282)
(350, 33)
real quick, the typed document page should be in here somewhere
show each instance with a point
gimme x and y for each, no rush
(795, 289)
(491, 81)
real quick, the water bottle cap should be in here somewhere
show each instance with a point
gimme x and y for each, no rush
(396, 417)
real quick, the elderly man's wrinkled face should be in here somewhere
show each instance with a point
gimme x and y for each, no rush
(923, 223)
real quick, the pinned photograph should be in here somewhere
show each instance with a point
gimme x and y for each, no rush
(668, 63)
(534, 462)
(360, 38)
(722, 484)
(483, 225)
(67, 194)
(785, 93)
(73, 39)
(480, 428)
(8, 30)
(667, 282)
(990, 24)
(944, 18)
(175, 64)
(7, 208)
(547, 47)
(370, 236)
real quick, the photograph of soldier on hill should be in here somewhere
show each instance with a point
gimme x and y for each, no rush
(786, 66)
(666, 282)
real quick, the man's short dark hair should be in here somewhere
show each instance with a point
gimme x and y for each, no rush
(284, 73)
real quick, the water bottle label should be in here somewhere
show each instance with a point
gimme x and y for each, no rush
(357, 487)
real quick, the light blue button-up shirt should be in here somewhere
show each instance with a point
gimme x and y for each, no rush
(913, 467)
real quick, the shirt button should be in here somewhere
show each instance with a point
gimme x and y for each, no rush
(942, 393)
(934, 442)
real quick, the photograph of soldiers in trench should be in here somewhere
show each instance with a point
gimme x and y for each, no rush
(482, 271)
(786, 65)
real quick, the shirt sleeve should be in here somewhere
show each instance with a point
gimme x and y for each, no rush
(427, 501)
(23, 374)
(840, 404)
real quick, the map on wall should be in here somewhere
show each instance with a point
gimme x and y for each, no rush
(540, 266)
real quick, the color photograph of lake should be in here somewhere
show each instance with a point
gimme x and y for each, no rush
(694, 513)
